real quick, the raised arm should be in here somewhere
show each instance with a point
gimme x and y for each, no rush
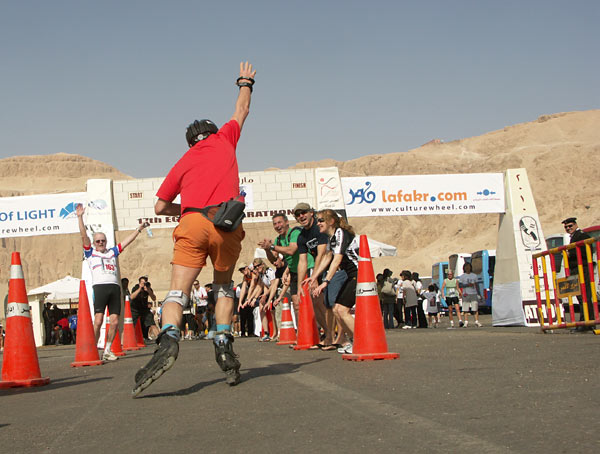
(80, 210)
(245, 82)
(127, 241)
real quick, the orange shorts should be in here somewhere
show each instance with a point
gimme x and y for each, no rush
(196, 238)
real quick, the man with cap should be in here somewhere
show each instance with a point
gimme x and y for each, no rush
(312, 242)
(576, 234)
(286, 244)
(205, 178)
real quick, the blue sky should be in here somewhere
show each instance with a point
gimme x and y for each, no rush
(120, 81)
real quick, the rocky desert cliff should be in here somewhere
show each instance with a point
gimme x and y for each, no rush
(561, 153)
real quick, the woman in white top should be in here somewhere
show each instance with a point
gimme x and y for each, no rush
(452, 293)
(410, 300)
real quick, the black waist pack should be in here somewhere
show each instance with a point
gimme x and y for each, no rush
(226, 216)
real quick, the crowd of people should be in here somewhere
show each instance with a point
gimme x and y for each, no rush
(406, 301)
(60, 325)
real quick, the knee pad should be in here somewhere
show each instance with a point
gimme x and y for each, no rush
(224, 290)
(224, 354)
(177, 296)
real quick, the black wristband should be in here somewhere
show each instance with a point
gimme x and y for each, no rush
(250, 79)
(245, 84)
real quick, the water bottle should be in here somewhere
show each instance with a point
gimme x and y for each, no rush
(148, 229)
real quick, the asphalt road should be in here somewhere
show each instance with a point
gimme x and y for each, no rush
(482, 390)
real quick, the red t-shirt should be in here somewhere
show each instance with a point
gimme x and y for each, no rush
(208, 173)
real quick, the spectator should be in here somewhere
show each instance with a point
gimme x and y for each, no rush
(140, 295)
(73, 325)
(312, 241)
(410, 300)
(245, 305)
(576, 234)
(452, 291)
(64, 334)
(339, 282)
(420, 311)
(267, 275)
(467, 282)
(286, 243)
(399, 307)
(278, 288)
(48, 317)
(200, 301)
(430, 298)
(388, 301)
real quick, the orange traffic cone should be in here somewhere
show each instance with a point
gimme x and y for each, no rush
(86, 353)
(369, 335)
(139, 336)
(116, 345)
(308, 333)
(20, 366)
(287, 333)
(129, 342)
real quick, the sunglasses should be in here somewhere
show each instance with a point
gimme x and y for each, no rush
(321, 220)
(568, 226)
(300, 213)
(100, 241)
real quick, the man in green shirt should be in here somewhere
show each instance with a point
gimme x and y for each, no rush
(286, 244)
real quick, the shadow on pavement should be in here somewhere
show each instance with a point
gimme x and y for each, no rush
(274, 369)
(54, 384)
(183, 392)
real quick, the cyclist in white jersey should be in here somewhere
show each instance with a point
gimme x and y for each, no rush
(105, 283)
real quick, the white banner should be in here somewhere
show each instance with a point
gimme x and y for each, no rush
(50, 214)
(424, 194)
(266, 193)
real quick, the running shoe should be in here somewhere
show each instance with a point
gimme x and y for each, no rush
(466, 323)
(345, 349)
(461, 323)
(479, 325)
(163, 359)
(109, 356)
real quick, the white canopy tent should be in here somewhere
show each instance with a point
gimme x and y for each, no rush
(65, 291)
(379, 249)
(66, 288)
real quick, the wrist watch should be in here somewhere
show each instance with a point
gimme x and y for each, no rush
(272, 247)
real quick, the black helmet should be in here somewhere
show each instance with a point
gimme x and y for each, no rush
(199, 130)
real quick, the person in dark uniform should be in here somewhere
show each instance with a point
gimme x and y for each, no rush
(139, 304)
(48, 316)
(570, 225)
